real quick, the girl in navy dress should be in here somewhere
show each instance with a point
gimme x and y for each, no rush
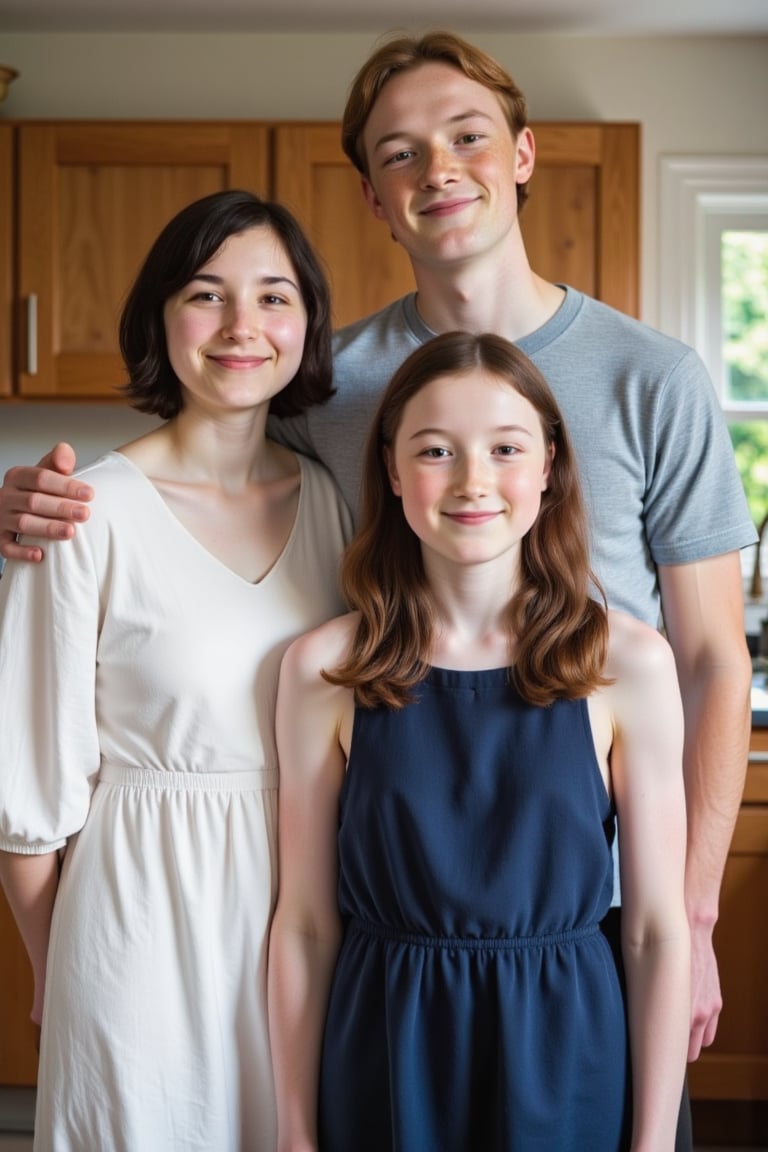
(454, 754)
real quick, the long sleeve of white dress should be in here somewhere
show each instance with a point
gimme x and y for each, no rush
(49, 626)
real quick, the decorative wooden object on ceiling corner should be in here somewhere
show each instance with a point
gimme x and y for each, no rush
(7, 76)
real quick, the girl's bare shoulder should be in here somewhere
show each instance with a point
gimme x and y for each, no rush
(323, 647)
(635, 647)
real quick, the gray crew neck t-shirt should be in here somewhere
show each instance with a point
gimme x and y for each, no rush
(655, 458)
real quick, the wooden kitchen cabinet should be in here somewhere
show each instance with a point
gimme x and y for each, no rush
(315, 180)
(735, 1067)
(91, 197)
(6, 258)
(18, 1057)
(581, 222)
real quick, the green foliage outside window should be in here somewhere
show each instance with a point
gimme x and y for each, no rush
(745, 353)
(750, 444)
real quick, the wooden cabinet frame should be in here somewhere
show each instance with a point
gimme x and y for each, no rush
(7, 260)
(735, 1068)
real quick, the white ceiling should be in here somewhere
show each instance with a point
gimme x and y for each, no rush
(582, 17)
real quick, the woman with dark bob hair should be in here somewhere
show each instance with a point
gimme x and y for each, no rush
(138, 674)
(185, 245)
(452, 756)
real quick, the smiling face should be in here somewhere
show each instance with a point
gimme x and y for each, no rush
(469, 463)
(235, 333)
(443, 164)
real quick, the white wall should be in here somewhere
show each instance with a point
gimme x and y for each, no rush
(703, 95)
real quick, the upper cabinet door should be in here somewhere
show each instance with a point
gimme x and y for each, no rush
(92, 197)
(314, 178)
(6, 258)
(580, 224)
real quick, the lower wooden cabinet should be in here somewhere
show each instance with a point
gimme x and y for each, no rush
(735, 1067)
(18, 1057)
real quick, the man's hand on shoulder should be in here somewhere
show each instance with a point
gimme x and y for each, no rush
(43, 501)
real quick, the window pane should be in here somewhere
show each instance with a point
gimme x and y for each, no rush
(750, 446)
(745, 316)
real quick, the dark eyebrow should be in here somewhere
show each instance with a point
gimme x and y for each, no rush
(472, 114)
(209, 278)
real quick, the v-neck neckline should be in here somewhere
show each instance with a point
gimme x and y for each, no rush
(198, 545)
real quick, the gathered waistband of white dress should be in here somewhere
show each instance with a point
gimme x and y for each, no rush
(252, 780)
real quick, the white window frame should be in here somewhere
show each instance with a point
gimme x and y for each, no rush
(700, 198)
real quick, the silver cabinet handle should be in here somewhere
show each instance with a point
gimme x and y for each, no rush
(32, 334)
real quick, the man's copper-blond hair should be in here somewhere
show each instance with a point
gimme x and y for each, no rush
(404, 53)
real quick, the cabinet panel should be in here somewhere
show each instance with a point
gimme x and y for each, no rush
(581, 223)
(735, 1067)
(92, 198)
(313, 177)
(6, 258)
(559, 226)
(18, 1058)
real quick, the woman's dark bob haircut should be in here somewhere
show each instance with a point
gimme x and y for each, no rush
(190, 240)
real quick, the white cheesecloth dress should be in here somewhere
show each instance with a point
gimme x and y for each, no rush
(137, 687)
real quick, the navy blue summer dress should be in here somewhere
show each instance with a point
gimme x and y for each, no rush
(475, 1005)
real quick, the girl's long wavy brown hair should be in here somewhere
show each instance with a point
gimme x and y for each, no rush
(557, 615)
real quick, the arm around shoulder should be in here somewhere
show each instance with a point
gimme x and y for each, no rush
(44, 501)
